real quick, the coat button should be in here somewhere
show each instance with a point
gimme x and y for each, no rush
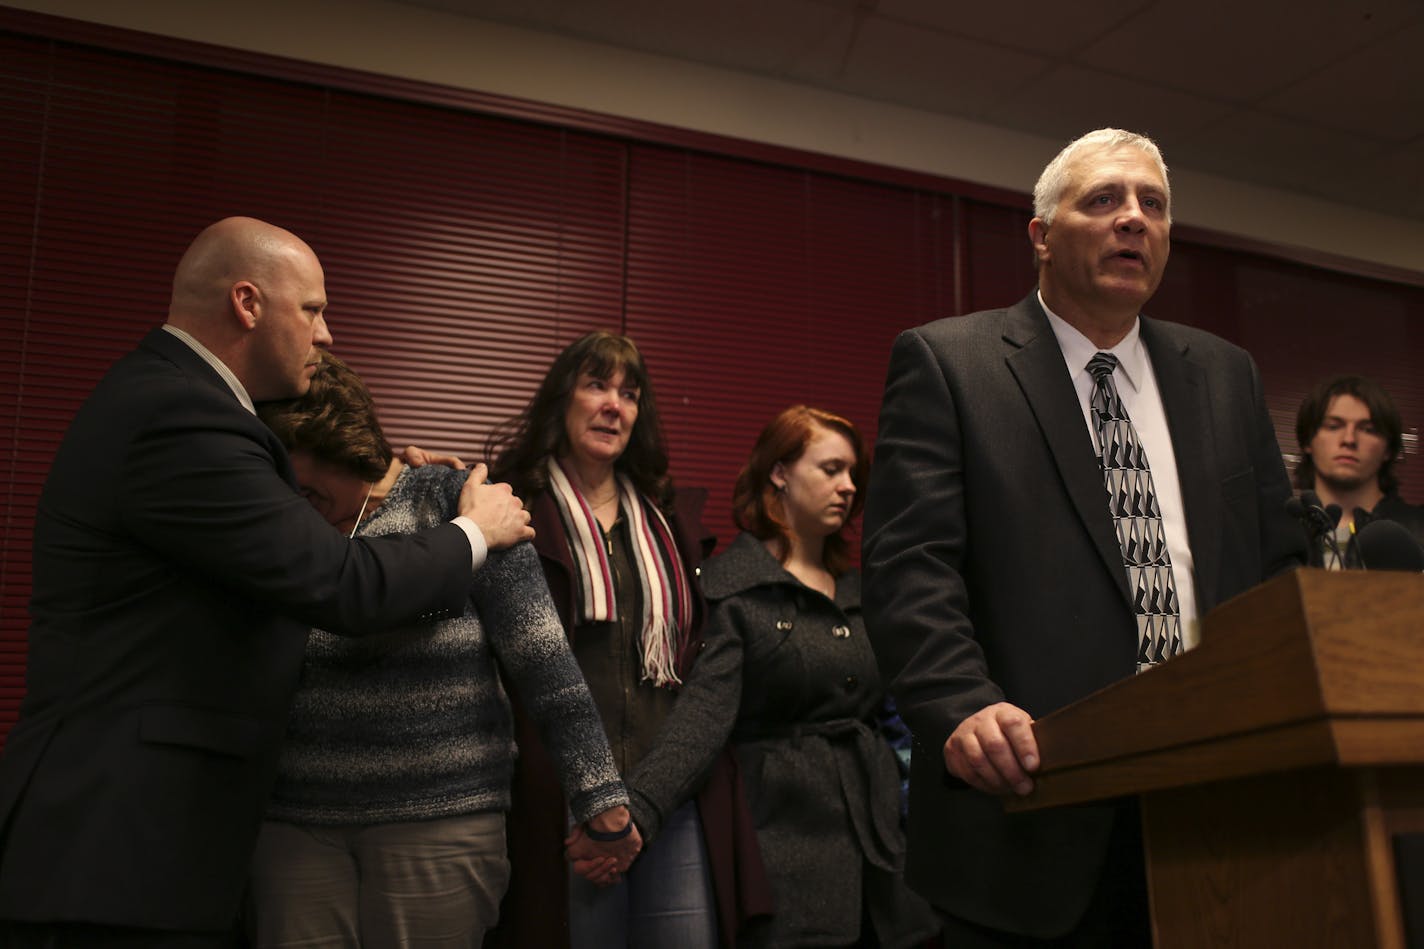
(850, 683)
(841, 632)
(783, 624)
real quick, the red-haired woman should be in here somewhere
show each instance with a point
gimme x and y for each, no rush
(824, 785)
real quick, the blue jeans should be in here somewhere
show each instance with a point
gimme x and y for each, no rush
(665, 899)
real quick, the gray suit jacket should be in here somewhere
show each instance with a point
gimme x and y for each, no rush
(176, 575)
(993, 573)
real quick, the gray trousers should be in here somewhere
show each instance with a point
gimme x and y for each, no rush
(417, 884)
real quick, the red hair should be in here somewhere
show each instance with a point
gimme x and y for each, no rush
(756, 503)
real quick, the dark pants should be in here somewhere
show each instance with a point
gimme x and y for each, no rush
(15, 935)
(1117, 916)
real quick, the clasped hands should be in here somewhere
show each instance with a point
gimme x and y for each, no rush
(604, 862)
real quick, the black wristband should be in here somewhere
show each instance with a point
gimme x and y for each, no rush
(608, 836)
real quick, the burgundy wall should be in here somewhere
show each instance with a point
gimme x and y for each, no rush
(464, 248)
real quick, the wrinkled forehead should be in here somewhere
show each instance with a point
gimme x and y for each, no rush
(1105, 165)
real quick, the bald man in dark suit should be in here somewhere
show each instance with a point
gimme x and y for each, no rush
(996, 585)
(177, 573)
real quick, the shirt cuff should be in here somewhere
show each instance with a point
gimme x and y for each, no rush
(478, 548)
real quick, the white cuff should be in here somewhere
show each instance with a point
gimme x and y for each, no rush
(478, 548)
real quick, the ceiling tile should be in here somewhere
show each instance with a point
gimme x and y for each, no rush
(1271, 150)
(1239, 50)
(1377, 91)
(1391, 182)
(1069, 101)
(762, 36)
(929, 70)
(1049, 28)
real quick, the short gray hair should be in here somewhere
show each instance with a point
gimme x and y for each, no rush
(1054, 180)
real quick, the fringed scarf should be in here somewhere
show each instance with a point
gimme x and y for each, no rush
(667, 598)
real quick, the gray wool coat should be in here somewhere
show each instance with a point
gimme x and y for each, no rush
(823, 784)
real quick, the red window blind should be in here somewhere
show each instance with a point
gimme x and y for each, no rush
(466, 251)
(752, 287)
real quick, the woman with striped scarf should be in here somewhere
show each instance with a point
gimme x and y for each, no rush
(621, 550)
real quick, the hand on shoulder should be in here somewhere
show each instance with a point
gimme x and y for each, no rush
(500, 515)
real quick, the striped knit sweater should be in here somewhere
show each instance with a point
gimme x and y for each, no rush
(414, 724)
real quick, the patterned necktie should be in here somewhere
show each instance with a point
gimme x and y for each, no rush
(1138, 519)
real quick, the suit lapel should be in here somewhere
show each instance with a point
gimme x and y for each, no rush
(1037, 364)
(1187, 404)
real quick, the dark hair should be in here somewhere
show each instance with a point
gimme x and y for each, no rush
(756, 503)
(518, 447)
(1383, 415)
(335, 422)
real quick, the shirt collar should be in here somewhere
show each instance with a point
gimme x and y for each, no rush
(1078, 349)
(218, 366)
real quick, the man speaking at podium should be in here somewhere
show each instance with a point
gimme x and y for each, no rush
(1061, 489)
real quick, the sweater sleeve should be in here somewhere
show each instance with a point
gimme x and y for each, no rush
(694, 732)
(523, 627)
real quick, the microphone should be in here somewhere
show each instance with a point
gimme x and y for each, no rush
(1306, 509)
(1325, 517)
(1319, 521)
(1387, 545)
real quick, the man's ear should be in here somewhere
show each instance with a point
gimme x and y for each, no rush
(246, 302)
(1038, 237)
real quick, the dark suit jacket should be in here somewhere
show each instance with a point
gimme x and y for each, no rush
(993, 573)
(176, 575)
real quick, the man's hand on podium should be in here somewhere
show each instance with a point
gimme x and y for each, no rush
(994, 750)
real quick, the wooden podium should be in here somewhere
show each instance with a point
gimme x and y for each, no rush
(1276, 763)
